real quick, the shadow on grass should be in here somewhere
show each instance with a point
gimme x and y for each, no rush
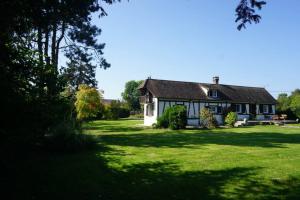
(179, 139)
(112, 126)
(89, 176)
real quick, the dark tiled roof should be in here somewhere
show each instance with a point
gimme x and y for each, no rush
(194, 91)
(108, 101)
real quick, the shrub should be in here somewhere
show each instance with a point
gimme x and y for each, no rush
(177, 117)
(173, 117)
(230, 119)
(207, 119)
(163, 121)
(115, 111)
(67, 137)
(124, 112)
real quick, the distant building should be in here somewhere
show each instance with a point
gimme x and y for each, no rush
(157, 95)
(107, 102)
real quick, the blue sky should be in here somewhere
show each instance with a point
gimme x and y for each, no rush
(194, 40)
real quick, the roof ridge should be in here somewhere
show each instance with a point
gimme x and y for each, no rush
(206, 83)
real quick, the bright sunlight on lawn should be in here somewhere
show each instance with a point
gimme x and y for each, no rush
(133, 162)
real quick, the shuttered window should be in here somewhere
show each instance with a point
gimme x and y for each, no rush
(238, 108)
(265, 109)
(243, 108)
(270, 109)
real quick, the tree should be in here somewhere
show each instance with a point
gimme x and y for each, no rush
(33, 36)
(245, 12)
(289, 104)
(88, 102)
(283, 103)
(295, 103)
(131, 95)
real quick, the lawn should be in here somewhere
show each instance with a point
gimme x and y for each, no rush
(133, 162)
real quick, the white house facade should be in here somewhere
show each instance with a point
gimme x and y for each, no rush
(248, 102)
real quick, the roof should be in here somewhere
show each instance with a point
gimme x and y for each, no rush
(108, 101)
(195, 91)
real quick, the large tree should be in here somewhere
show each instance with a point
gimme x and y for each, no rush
(131, 95)
(33, 36)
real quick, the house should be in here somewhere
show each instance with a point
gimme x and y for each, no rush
(248, 102)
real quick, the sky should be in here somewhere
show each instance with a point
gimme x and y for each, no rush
(194, 40)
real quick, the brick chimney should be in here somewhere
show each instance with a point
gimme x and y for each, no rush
(216, 80)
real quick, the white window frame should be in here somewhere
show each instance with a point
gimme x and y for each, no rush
(238, 106)
(150, 109)
(214, 93)
(265, 109)
(213, 109)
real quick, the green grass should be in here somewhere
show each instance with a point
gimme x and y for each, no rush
(133, 162)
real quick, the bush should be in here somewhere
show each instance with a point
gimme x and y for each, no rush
(67, 137)
(124, 112)
(230, 119)
(177, 117)
(163, 121)
(207, 119)
(116, 110)
(174, 118)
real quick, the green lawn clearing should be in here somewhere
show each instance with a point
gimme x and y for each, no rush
(136, 163)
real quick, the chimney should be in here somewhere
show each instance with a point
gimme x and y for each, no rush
(216, 80)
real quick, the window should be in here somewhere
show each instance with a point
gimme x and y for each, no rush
(266, 108)
(238, 108)
(215, 109)
(149, 109)
(213, 93)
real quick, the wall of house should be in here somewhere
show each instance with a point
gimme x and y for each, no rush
(149, 120)
(264, 116)
(193, 110)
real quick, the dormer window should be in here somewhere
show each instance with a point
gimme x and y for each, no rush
(213, 93)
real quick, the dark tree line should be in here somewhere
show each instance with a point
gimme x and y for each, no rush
(33, 36)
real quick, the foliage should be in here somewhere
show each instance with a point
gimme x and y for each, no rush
(230, 119)
(33, 36)
(116, 110)
(131, 95)
(163, 120)
(283, 102)
(289, 105)
(68, 137)
(207, 119)
(295, 104)
(246, 14)
(177, 117)
(173, 117)
(88, 102)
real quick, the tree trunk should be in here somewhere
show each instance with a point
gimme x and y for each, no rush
(53, 46)
(46, 46)
(40, 45)
(63, 27)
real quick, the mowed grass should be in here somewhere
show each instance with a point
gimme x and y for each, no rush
(133, 162)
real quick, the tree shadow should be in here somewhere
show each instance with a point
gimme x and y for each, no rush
(177, 139)
(109, 127)
(93, 175)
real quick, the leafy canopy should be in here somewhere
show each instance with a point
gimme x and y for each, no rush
(131, 94)
(88, 102)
